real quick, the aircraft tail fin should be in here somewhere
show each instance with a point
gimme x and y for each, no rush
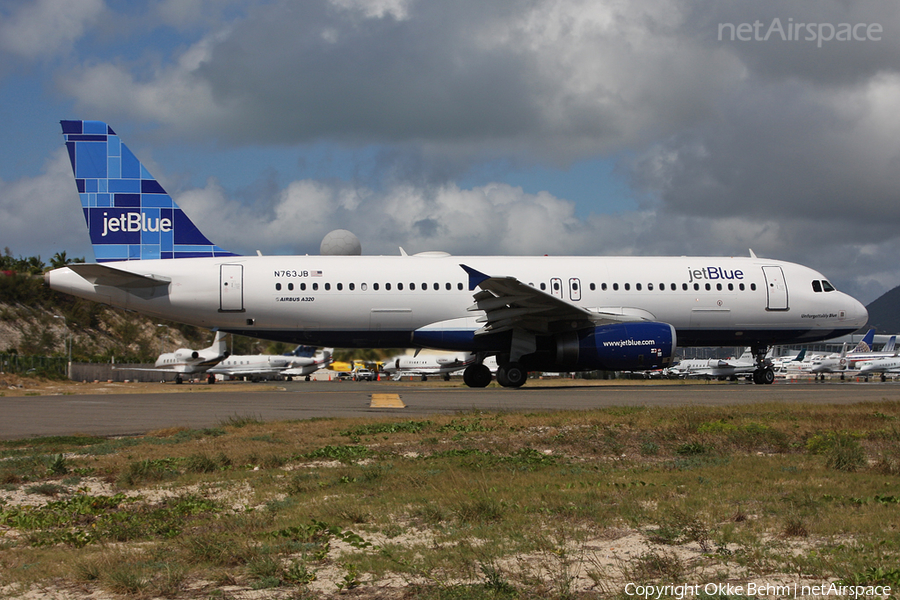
(889, 347)
(801, 356)
(128, 213)
(865, 344)
(219, 345)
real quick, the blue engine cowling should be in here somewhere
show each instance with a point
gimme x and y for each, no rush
(617, 347)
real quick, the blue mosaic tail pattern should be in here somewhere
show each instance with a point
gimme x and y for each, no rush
(129, 215)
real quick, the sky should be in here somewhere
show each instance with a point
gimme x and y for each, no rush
(528, 127)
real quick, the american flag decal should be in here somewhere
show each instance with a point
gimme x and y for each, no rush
(315, 273)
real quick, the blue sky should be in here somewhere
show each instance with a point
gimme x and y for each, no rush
(511, 127)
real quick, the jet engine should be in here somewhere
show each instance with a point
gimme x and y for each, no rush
(617, 347)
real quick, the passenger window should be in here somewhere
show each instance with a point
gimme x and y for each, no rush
(340, 286)
(412, 286)
(302, 287)
(437, 287)
(278, 286)
(375, 287)
(448, 286)
(637, 286)
(291, 286)
(741, 286)
(616, 287)
(400, 286)
(627, 287)
(696, 287)
(459, 286)
(817, 286)
(352, 286)
(362, 286)
(752, 287)
(707, 287)
(827, 286)
(719, 287)
(603, 287)
(730, 287)
(327, 286)
(315, 287)
(543, 286)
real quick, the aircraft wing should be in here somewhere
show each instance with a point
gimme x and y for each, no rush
(508, 303)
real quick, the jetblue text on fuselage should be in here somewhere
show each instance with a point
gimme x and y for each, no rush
(134, 221)
(712, 273)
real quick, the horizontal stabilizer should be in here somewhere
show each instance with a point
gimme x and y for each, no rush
(102, 275)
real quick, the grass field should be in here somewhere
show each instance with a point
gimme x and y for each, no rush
(596, 504)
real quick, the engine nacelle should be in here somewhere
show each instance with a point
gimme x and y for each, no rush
(617, 347)
(186, 354)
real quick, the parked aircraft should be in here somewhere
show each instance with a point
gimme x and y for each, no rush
(532, 313)
(185, 361)
(260, 366)
(716, 368)
(880, 365)
(845, 361)
(433, 364)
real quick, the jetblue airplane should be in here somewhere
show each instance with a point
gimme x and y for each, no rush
(537, 313)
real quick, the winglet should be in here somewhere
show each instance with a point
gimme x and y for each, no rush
(475, 277)
(128, 213)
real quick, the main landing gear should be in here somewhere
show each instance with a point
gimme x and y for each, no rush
(764, 374)
(477, 376)
(510, 374)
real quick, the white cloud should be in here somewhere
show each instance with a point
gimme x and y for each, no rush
(34, 210)
(44, 28)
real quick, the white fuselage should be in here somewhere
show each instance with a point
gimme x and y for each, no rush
(378, 301)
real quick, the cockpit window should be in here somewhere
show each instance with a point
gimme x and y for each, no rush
(827, 286)
(817, 285)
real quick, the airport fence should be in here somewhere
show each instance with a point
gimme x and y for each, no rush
(46, 366)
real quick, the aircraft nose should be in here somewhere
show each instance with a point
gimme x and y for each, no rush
(857, 313)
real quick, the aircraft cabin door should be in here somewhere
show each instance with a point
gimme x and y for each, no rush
(776, 288)
(556, 287)
(231, 288)
(574, 289)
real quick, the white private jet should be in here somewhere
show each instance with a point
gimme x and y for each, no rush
(433, 364)
(260, 366)
(716, 368)
(185, 361)
(535, 313)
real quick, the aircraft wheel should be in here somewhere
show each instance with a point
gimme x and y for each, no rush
(512, 375)
(210, 379)
(883, 378)
(767, 376)
(178, 380)
(424, 377)
(477, 376)
(446, 377)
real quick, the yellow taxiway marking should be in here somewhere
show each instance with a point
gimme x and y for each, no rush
(386, 401)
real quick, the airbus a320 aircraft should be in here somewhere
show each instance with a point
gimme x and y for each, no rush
(532, 313)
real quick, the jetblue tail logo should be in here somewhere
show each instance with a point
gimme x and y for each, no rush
(128, 213)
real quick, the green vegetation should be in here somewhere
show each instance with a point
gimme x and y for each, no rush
(557, 505)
